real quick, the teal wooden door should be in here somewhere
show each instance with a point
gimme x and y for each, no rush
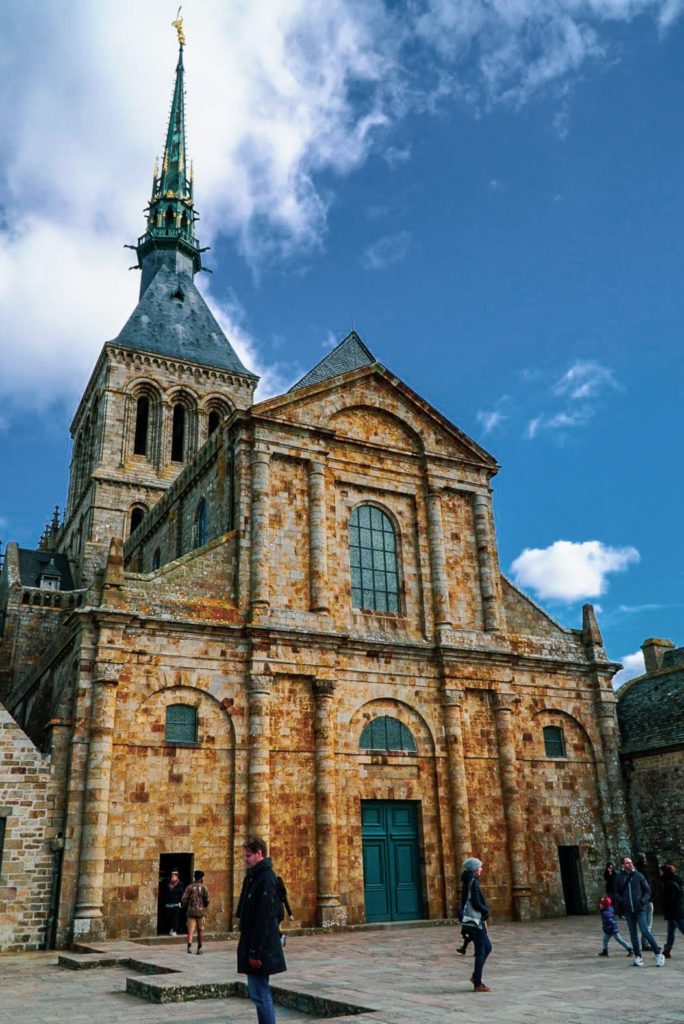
(391, 860)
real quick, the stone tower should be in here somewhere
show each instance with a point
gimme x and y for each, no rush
(162, 386)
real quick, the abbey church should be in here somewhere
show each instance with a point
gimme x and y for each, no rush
(284, 619)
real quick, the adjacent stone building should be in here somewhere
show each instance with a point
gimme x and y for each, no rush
(285, 618)
(651, 717)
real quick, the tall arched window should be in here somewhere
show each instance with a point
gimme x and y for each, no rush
(178, 433)
(142, 423)
(181, 724)
(201, 524)
(137, 516)
(373, 560)
(156, 559)
(214, 420)
(554, 741)
(387, 733)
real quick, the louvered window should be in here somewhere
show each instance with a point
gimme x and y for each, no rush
(387, 733)
(181, 724)
(373, 560)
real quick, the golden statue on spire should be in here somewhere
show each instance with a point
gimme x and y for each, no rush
(178, 25)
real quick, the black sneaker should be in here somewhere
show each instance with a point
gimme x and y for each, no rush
(604, 952)
(189, 948)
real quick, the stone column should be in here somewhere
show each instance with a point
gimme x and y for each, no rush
(318, 557)
(438, 569)
(330, 910)
(259, 754)
(483, 542)
(458, 789)
(260, 502)
(513, 810)
(88, 912)
(615, 816)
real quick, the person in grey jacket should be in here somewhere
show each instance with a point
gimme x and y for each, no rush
(633, 895)
(472, 898)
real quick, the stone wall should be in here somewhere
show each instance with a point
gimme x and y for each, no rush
(655, 782)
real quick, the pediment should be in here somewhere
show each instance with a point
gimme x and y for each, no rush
(372, 405)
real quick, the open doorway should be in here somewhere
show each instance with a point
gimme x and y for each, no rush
(571, 879)
(168, 862)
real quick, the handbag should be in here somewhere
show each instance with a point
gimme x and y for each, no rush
(471, 918)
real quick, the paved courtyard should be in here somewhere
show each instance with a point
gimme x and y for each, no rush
(543, 972)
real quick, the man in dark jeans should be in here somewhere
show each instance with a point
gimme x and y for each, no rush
(633, 895)
(472, 899)
(259, 952)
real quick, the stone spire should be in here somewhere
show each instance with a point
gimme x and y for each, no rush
(169, 239)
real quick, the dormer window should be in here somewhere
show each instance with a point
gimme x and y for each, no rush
(179, 294)
(51, 577)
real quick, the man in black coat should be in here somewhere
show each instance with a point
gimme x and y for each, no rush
(673, 905)
(260, 951)
(633, 895)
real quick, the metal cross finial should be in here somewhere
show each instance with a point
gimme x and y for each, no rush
(178, 25)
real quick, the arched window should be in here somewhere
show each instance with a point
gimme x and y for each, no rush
(178, 433)
(554, 741)
(142, 422)
(373, 560)
(214, 420)
(181, 724)
(137, 516)
(387, 733)
(201, 523)
(156, 559)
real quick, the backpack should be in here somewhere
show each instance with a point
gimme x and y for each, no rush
(198, 900)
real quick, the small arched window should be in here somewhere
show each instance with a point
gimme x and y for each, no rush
(214, 420)
(156, 559)
(554, 741)
(137, 516)
(142, 423)
(181, 724)
(178, 433)
(201, 523)
(387, 733)
(373, 560)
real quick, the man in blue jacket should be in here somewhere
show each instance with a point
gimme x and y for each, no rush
(633, 895)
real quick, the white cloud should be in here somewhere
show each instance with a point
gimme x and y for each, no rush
(585, 379)
(396, 155)
(387, 251)
(490, 419)
(632, 665)
(570, 571)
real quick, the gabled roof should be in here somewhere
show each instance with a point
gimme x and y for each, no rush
(172, 319)
(350, 354)
(32, 565)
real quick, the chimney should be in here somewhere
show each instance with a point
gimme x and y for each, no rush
(654, 652)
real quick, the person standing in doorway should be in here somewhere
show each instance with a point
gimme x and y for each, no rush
(196, 900)
(633, 894)
(673, 906)
(259, 952)
(172, 894)
(475, 914)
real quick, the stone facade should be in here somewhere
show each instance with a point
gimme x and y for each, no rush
(651, 717)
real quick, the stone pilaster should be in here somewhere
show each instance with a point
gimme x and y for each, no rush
(483, 543)
(260, 502)
(614, 810)
(318, 558)
(458, 789)
(438, 569)
(512, 804)
(259, 752)
(330, 910)
(88, 912)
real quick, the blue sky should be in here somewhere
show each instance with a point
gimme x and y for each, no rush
(490, 193)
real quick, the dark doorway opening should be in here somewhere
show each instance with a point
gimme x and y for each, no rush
(168, 862)
(391, 860)
(571, 879)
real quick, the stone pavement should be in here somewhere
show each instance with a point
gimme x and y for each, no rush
(543, 972)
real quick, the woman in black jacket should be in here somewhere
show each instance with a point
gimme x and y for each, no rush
(475, 914)
(260, 951)
(673, 905)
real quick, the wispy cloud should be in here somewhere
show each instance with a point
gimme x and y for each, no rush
(394, 156)
(632, 665)
(387, 251)
(571, 571)
(579, 388)
(585, 379)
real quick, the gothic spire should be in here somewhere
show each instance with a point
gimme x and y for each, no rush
(169, 239)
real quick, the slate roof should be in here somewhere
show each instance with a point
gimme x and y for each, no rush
(181, 328)
(350, 354)
(32, 564)
(651, 710)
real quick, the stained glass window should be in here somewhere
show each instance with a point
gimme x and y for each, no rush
(373, 560)
(387, 733)
(181, 724)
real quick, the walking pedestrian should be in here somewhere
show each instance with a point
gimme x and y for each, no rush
(673, 906)
(172, 894)
(642, 866)
(282, 906)
(475, 915)
(633, 894)
(196, 900)
(609, 878)
(610, 927)
(259, 952)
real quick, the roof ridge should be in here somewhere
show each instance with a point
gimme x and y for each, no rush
(335, 367)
